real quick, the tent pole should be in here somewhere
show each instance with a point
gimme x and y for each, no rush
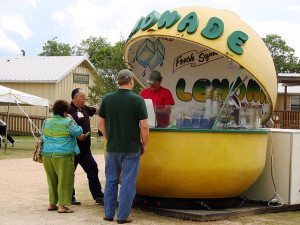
(7, 127)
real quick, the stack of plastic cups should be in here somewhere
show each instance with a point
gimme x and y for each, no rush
(216, 102)
(208, 102)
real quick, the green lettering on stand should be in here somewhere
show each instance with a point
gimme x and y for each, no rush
(168, 19)
(183, 96)
(199, 89)
(262, 97)
(189, 22)
(241, 91)
(236, 40)
(253, 91)
(223, 86)
(136, 28)
(150, 20)
(214, 29)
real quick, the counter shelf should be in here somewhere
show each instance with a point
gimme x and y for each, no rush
(248, 131)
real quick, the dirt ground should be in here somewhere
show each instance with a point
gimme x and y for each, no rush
(24, 200)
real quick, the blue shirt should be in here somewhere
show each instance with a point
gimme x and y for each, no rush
(59, 136)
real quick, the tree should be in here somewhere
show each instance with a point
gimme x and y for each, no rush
(100, 53)
(53, 48)
(108, 61)
(282, 54)
(97, 49)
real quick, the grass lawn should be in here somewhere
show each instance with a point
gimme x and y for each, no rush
(25, 146)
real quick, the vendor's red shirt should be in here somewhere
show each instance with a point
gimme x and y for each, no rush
(161, 97)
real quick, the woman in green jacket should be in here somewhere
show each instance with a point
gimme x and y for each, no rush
(59, 146)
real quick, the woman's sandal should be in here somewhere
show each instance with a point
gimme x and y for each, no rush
(52, 208)
(65, 210)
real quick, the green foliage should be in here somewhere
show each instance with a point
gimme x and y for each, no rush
(282, 54)
(53, 48)
(107, 59)
(25, 146)
(103, 56)
(98, 51)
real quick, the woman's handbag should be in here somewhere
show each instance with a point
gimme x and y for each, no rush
(37, 155)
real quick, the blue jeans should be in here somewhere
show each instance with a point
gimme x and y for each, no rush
(128, 163)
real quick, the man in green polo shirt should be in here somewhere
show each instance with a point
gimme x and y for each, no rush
(123, 122)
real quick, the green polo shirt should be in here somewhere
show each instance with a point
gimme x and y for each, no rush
(122, 111)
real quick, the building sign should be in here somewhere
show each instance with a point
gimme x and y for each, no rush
(81, 78)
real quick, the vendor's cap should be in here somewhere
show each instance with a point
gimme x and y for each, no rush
(125, 74)
(154, 77)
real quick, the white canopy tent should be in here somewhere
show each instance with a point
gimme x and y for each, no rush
(14, 97)
(9, 96)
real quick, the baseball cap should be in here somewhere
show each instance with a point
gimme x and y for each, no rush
(154, 77)
(125, 73)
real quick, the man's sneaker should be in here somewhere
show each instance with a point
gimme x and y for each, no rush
(75, 202)
(100, 198)
(124, 221)
(13, 144)
(108, 219)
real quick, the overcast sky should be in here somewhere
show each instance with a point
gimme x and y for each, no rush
(28, 24)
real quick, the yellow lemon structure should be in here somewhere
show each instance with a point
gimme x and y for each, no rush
(207, 154)
(183, 164)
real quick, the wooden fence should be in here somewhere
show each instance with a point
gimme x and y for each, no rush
(286, 119)
(19, 124)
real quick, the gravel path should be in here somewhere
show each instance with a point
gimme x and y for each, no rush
(24, 198)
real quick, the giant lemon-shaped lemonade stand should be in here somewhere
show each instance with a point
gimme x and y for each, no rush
(224, 84)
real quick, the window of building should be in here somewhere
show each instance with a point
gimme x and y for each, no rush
(295, 103)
